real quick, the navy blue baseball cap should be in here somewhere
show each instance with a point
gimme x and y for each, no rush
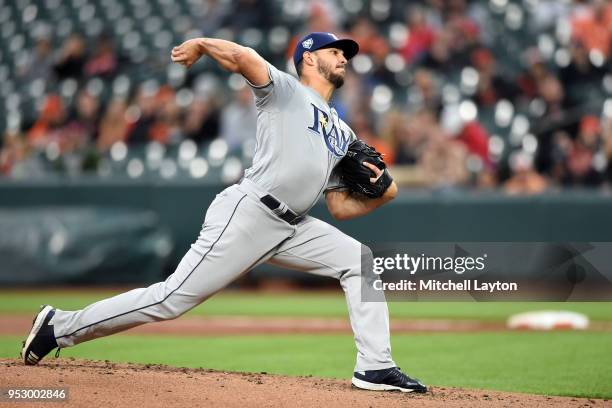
(316, 41)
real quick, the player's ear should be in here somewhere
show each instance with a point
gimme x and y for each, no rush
(308, 58)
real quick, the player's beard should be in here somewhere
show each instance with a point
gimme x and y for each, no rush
(325, 69)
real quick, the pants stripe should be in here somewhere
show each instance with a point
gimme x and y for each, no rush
(174, 290)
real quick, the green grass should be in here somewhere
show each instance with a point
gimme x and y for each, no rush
(307, 304)
(556, 363)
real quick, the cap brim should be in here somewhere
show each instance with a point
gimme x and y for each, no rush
(348, 46)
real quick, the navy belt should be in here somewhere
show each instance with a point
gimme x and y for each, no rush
(287, 215)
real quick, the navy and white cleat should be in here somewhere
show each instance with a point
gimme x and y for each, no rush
(41, 339)
(388, 379)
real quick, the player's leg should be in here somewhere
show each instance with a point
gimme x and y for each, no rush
(322, 249)
(225, 249)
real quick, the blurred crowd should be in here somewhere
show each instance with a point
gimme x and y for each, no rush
(455, 93)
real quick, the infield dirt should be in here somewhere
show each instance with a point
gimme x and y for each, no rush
(104, 383)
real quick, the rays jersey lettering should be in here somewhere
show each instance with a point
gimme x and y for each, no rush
(335, 139)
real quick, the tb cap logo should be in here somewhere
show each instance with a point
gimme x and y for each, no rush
(307, 43)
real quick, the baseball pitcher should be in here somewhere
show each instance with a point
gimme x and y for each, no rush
(300, 155)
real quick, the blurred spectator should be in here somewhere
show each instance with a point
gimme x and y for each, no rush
(83, 121)
(362, 127)
(167, 126)
(393, 130)
(39, 65)
(114, 125)
(411, 134)
(606, 136)
(476, 139)
(380, 74)
(553, 120)
(580, 73)
(529, 80)
(248, 14)
(421, 35)
(142, 114)
(524, 180)
(487, 179)
(71, 58)
(239, 118)
(434, 13)
(14, 150)
(448, 46)
(460, 21)
(201, 123)
(104, 62)
(439, 56)
(443, 162)
(424, 93)
(546, 13)
(374, 45)
(49, 125)
(67, 131)
(561, 148)
(581, 166)
(17, 160)
(211, 16)
(467, 131)
(591, 25)
(367, 36)
(492, 86)
(323, 16)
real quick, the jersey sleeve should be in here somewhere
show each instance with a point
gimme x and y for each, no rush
(276, 92)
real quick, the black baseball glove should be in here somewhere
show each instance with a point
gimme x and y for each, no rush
(356, 176)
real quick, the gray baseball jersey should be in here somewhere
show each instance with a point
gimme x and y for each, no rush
(300, 139)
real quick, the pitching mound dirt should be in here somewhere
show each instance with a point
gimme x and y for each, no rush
(106, 384)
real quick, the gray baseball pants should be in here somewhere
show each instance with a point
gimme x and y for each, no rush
(239, 233)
